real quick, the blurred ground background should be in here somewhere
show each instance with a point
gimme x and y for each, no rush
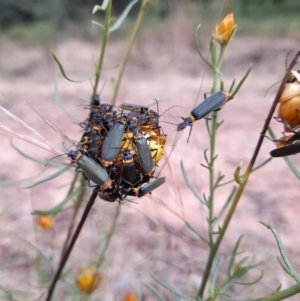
(150, 237)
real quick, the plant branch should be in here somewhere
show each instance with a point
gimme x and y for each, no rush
(72, 243)
(103, 47)
(240, 189)
(129, 46)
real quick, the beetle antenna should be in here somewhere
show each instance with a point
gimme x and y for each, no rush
(271, 87)
(169, 109)
(169, 122)
(286, 58)
(54, 158)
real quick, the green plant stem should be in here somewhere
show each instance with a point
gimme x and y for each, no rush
(103, 47)
(109, 236)
(240, 189)
(213, 131)
(129, 46)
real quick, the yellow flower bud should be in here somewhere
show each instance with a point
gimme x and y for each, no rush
(88, 280)
(46, 222)
(225, 29)
(130, 297)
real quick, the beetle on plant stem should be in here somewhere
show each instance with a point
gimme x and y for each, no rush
(210, 104)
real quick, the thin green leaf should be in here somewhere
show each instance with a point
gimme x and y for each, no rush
(60, 206)
(252, 282)
(213, 52)
(189, 185)
(214, 274)
(290, 268)
(233, 254)
(42, 162)
(175, 298)
(84, 78)
(123, 16)
(292, 167)
(59, 103)
(222, 85)
(232, 86)
(157, 294)
(198, 47)
(100, 7)
(205, 157)
(205, 166)
(226, 203)
(172, 289)
(220, 123)
(98, 24)
(48, 178)
(237, 276)
(207, 128)
(140, 292)
(241, 82)
(11, 182)
(189, 226)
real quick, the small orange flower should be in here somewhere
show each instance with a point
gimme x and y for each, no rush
(225, 29)
(88, 280)
(130, 297)
(46, 222)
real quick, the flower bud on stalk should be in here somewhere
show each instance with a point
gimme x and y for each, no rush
(225, 30)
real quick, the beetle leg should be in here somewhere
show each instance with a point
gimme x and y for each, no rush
(146, 188)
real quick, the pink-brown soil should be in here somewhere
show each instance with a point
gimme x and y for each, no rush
(150, 237)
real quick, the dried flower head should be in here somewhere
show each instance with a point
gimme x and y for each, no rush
(88, 280)
(46, 222)
(225, 30)
(130, 297)
(290, 103)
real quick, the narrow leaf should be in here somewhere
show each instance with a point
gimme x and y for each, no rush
(98, 24)
(226, 203)
(172, 289)
(60, 206)
(59, 103)
(232, 86)
(123, 16)
(42, 162)
(189, 226)
(64, 74)
(241, 82)
(198, 47)
(291, 270)
(155, 292)
(48, 178)
(100, 7)
(233, 254)
(188, 183)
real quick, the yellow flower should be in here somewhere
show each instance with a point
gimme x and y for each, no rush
(88, 280)
(225, 29)
(46, 222)
(130, 297)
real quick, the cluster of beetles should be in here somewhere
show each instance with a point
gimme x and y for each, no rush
(121, 146)
(120, 149)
